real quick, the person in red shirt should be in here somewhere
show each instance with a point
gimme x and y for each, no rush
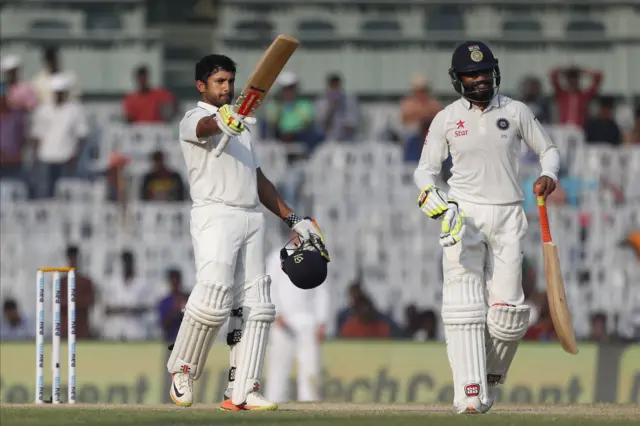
(573, 101)
(148, 104)
(365, 322)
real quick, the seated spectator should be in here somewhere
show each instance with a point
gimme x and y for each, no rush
(418, 108)
(128, 301)
(428, 326)
(162, 183)
(85, 298)
(412, 319)
(355, 293)
(633, 137)
(572, 100)
(42, 82)
(12, 137)
(603, 128)
(533, 98)
(598, 331)
(116, 177)
(543, 329)
(170, 308)
(59, 131)
(20, 95)
(338, 114)
(15, 326)
(289, 118)
(149, 104)
(365, 322)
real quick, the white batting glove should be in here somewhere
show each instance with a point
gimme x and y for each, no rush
(308, 229)
(230, 123)
(453, 225)
(433, 201)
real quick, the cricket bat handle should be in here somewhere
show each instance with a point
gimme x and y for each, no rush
(221, 145)
(544, 220)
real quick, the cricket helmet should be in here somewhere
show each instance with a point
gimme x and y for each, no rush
(474, 57)
(305, 263)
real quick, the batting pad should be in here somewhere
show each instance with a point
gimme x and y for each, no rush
(234, 333)
(259, 313)
(464, 318)
(207, 309)
(506, 326)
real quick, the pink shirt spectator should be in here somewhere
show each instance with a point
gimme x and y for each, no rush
(22, 96)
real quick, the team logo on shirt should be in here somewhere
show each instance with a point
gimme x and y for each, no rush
(460, 125)
(502, 123)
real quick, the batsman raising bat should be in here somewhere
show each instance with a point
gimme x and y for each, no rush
(483, 222)
(228, 239)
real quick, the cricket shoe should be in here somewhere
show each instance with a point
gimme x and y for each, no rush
(255, 402)
(182, 389)
(472, 406)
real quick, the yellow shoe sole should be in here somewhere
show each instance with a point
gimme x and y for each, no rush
(182, 404)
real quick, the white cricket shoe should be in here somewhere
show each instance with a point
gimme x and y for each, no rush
(255, 402)
(182, 389)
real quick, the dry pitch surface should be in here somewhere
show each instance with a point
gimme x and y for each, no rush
(329, 414)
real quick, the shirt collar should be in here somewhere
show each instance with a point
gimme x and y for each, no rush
(495, 102)
(208, 107)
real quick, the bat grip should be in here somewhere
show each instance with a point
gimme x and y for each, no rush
(544, 220)
(221, 145)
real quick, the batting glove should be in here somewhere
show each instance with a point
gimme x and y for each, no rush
(230, 123)
(433, 201)
(308, 230)
(453, 225)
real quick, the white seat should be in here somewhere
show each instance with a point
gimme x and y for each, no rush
(13, 190)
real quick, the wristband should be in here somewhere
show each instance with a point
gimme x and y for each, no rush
(291, 219)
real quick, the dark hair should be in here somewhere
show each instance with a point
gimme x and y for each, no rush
(334, 78)
(72, 251)
(127, 256)
(607, 102)
(157, 156)
(51, 54)
(211, 64)
(572, 72)
(10, 304)
(174, 273)
(142, 70)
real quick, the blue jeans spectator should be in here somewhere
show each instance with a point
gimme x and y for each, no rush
(46, 175)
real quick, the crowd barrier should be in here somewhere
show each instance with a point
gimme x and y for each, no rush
(401, 372)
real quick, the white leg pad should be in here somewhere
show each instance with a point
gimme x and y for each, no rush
(506, 327)
(464, 319)
(234, 333)
(207, 309)
(259, 313)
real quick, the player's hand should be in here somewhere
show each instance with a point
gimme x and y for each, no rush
(453, 225)
(230, 123)
(308, 230)
(433, 201)
(544, 186)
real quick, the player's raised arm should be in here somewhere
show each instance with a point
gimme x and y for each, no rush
(537, 138)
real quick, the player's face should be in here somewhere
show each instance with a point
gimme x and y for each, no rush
(219, 89)
(479, 85)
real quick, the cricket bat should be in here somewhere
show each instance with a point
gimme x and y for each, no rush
(263, 77)
(556, 296)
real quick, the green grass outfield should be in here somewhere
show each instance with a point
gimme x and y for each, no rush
(329, 414)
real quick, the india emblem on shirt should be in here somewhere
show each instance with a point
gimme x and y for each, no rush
(502, 123)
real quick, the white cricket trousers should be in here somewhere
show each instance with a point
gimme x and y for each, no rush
(298, 342)
(491, 250)
(228, 245)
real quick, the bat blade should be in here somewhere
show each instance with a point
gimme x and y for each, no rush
(558, 306)
(264, 75)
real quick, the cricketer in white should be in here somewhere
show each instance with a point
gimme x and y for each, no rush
(482, 303)
(228, 240)
(299, 329)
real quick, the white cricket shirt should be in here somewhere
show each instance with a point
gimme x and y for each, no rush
(230, 179)
(485, 147)
(59, 129)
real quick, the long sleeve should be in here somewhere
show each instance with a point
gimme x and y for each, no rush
(434, 152)
(537, 138)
